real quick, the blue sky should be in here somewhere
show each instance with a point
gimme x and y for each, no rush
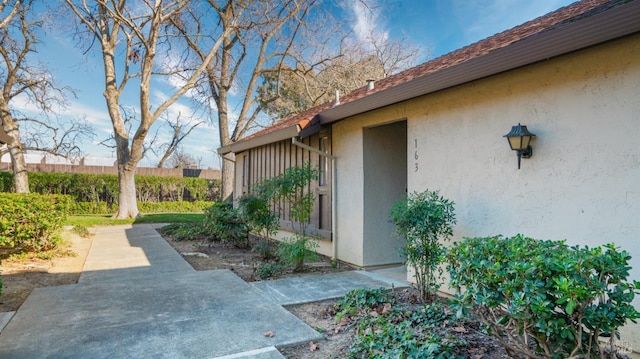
(436, 26)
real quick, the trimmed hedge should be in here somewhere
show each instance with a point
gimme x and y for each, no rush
(174, 207)
(31, 221)
(146, 207)
(102, 190)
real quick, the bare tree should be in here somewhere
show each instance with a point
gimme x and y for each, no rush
(182, 159)
(55, 137)
(22, 78)
(258, 37)
(130, 36)
(180, 130)
(130, 118)
(311, 84)
(8, 11)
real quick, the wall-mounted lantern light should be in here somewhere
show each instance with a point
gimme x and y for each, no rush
(519, 139)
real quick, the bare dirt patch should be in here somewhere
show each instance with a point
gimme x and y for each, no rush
(203, 254)
(338, 336)
(22, 275)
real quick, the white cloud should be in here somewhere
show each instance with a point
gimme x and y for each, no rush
(24, 105)
(97, 118)
(367, 23)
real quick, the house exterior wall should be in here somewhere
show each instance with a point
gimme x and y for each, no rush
(256, 164)
(582, 183)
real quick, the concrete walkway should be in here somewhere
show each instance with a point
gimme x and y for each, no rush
(138, 298)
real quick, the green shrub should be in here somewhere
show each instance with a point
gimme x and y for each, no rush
(256, 211)
(285, 195)
(224, 223)
(82, 231)
(92, 208)
(186, 231)
(268, 270)
(294, 251)
(424, 219)
(30, 222)
(6, 182)
(104, 187)
(291, 189)
(361, 300)
(173, 207)
(265, 249)
(563, 298)
(144, 207)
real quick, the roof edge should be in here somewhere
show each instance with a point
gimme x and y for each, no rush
(275, 136)
(582, 33)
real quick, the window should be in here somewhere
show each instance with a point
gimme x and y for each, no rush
(323, 162)
(245, 174)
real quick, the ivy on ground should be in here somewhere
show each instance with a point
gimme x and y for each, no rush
(386, 327)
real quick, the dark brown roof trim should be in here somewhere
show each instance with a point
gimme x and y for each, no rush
(563, 38)
(271, 137)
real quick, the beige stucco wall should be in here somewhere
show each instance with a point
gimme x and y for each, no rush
(582, 183)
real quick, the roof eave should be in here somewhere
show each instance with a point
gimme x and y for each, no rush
(275, 136)
(609, 25)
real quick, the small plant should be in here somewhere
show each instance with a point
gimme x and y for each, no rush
(296, 250)
(186, 231)
(424, 220)
(561, 298)
(224, 223)
(285, 195)
(82, 231)
(265, 249)
(268, 270)
(361, 299)
(256, 210)
(292, 186)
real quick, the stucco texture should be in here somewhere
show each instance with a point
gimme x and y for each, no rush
(582, 183)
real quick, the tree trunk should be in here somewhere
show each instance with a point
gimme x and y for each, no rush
(127, 205)
(20, 174)
(228, 171)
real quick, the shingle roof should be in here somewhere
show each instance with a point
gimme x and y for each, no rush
(494, 50)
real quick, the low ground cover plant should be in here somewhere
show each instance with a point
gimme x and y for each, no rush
(544, 298)
(186, 231)
(387, 327)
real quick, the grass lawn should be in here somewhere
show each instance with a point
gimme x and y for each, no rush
(105, 220)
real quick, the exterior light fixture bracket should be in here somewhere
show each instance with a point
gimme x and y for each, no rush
(519, 140)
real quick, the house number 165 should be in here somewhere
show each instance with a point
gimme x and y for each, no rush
(415, 155)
